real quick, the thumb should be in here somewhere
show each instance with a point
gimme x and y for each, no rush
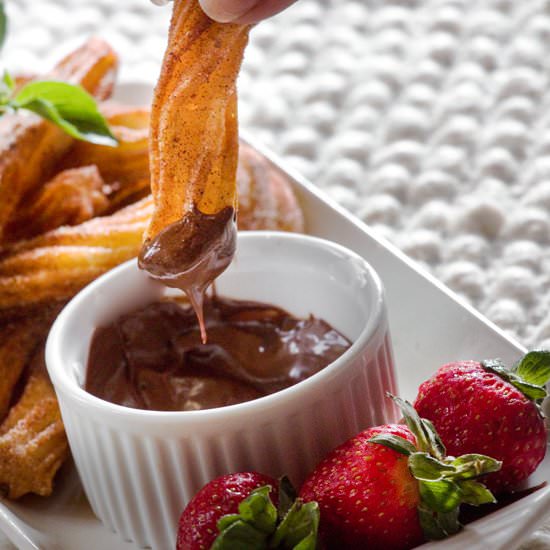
(243, 11)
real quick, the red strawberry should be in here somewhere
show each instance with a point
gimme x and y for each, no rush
(237, 511)
(482, 407)
(197, 525)
(391, 487)
(368, 498)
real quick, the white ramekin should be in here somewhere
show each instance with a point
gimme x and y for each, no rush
(139, 468)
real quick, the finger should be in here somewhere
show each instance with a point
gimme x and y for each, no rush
(243, 11)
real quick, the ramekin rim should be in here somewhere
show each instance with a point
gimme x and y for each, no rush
(70, 388)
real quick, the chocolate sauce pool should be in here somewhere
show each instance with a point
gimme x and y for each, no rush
(153, 358)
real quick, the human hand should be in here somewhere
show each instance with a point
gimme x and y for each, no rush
(243, 11)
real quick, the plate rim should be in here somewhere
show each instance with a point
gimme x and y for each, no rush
(456, 542)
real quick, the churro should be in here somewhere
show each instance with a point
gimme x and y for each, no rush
(30, 147)
(33, 444)
(69, 198)
(194, 153)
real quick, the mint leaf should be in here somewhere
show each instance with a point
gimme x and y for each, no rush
(475, 493)
(3, 24)
(68, 106)
(426, 468)
(534, 368)
(395, 442)
(298, 530)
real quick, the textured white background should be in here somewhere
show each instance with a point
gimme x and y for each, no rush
(430, 120)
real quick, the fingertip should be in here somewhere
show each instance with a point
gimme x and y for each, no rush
(227, 11)
(262, 10)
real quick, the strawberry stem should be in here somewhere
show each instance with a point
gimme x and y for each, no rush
(529, 375)
(259, 525)
(444, 482)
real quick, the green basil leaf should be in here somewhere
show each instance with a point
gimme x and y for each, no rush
(426, 468)
(242, 535)
(8, 81)
(68, 106)
(6, 89)
(442, 496)
(298, 530)
(395, 442)
(3, 24)
(534, 368)
(475, 493)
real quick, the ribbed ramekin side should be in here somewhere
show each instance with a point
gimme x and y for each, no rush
(81, 436)
(138, 482)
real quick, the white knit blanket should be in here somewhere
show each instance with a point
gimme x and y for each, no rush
(429, 119)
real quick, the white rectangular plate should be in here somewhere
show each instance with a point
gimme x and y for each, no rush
(430, 326)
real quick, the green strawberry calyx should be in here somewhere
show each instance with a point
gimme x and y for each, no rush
(444, 482)
(529, 375)
(260, 525)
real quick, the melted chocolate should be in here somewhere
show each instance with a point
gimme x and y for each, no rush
(153, 358)
(190, 253)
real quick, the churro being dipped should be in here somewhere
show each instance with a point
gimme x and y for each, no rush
(194, 153)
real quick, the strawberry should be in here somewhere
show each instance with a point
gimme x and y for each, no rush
(485, 407)
(238, 511)
(197, 525)
(392, 487)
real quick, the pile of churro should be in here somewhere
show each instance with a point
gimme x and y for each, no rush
(70, 211)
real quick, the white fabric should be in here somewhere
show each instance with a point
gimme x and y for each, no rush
(428, 119)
